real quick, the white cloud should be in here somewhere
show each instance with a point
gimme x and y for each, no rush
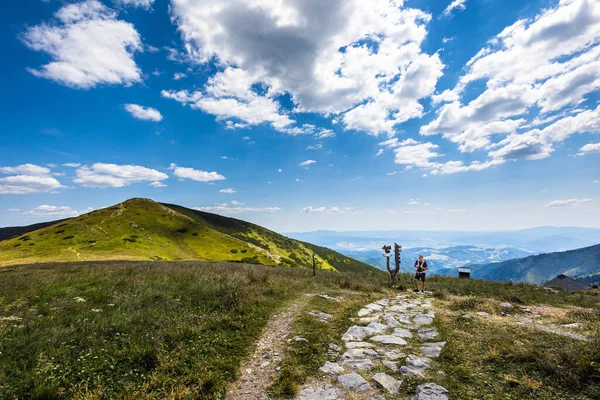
(380, 152)
(317, 146)
(568, 203)
(307, 163)
(72, 165)
(144, 113)
(55, 211)
(158, 184)
(112, 175)
(590, 148)
(196, 175)
(179, 75)
(279, 170)
(299, 180)
(311, 210)
(26, 169)
(324, 134)
(13, 210)
(236, 203)
(228, 191)
(145, 4)
(26, 179)
(329, 57)
(88, 46)
(455, 5)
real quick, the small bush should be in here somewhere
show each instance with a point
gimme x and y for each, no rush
(61, 231)
(131, 240)
(32, 244)
(68, 237)
(134, 236)
(244, 251)
(91, 241)
(234, 251)
(182, 230)
(195, 234)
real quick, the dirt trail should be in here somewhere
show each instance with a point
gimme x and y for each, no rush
(255, 374)
(552, 329)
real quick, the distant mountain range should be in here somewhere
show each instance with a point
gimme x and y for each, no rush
(582, 264)
(142, 229)
(443, 261)
(488, 253)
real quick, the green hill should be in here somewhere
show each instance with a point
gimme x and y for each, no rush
(580, 263)
(142, 229)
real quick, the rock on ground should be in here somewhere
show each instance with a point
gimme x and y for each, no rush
(389, 383)
(427, 333)
(354, 381)
(388, 339)
(431, 391)
(331, 368)
(327, 392)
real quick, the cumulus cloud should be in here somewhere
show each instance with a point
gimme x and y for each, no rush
(307, 163)
(157, 184)
(533, 71)
(228, 191)
(590, 148)
(179, 75)
(88, 46)
(72, 165)
(568, 203)
(196, 175)
(455, 5)
(335, 58)
(102, 175)
(310, 210)
(145, 4)
(143, 113)
(26, 179)
(55, 211)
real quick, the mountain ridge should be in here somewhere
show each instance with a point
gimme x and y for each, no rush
(142, 229)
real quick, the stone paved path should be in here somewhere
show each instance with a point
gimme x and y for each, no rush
(381, 341)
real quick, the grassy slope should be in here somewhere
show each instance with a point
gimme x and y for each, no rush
(141, 229)
(150, 330)
(536, 269)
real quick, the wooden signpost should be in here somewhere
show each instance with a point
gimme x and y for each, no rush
(393, 272)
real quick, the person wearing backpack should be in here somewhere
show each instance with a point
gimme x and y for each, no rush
(421, 267)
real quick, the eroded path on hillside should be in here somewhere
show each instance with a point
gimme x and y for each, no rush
(392, 339)
(258, 371)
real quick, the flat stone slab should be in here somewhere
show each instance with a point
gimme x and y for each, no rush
(394, 355)
(361, 364)
(403, 333)
(356, 345)
(415, 362)
(482, 314)
(374, 307)
(367, 320)
(393, 365)
(364, 312)
(406, 371)
(360, 352)
(506, 305)
(427, 333)
(355, 332)
(431, 391)
(391, 321)
(388, 339)
(387, 382)
(353, 381)
(432, 349)
(332, 368)
(328, 392)
(423, 319)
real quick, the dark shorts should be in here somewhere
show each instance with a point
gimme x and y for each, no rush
(420, 276)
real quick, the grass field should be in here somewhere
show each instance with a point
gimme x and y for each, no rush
(141, 329)
(179, 330)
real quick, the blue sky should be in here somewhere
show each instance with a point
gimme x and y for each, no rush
(300, 115)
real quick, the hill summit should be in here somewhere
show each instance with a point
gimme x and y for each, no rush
(142, 229)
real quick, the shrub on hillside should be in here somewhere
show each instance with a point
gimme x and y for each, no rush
(182, 230)
(234, 251)
(68, 237)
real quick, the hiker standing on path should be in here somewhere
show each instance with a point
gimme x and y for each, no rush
(421, 267)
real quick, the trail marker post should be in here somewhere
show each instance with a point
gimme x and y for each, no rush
(387, 255)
